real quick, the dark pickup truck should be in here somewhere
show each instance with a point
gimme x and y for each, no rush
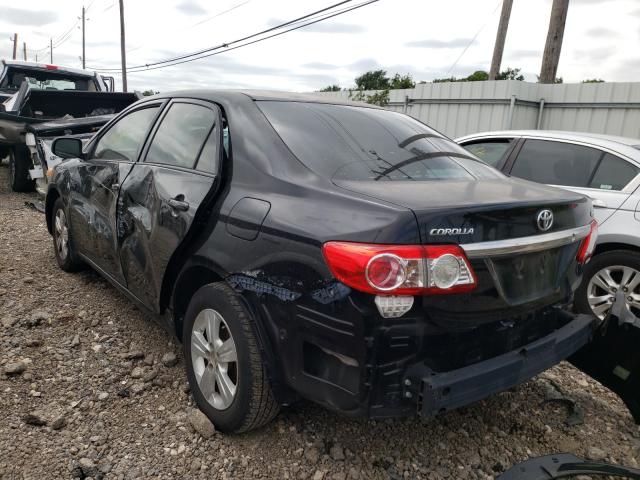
(62, 100)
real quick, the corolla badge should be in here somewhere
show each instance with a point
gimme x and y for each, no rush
(544, 220)
(451, 231)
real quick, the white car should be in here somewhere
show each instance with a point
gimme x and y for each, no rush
(604, 167)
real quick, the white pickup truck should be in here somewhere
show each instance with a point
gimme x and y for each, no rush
(39, 101)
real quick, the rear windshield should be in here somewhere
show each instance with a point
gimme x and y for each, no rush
(358, 143)
(46, 80)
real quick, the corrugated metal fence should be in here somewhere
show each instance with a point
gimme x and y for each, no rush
(459, 108)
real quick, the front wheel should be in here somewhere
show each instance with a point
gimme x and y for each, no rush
(62, 241)
(610, 277)
(227, 377)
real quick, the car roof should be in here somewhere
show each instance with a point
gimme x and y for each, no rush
(625, 145)
(258, 95)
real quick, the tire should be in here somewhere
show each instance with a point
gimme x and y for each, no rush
(19, 180)
(216, 308)
(615, 262)
(62, 240)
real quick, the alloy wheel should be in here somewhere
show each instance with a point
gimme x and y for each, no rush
(214, 358)
(605, 285)
(61, 234)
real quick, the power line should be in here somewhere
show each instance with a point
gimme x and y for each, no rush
(223, 45)
(212, 50)
(219, 14)
(259, 39)
(473, 39)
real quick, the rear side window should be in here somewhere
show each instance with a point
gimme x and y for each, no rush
(490, 151)
(123, 140)
(357, 143)
(556, 163)
(181, 135)
(613, 173)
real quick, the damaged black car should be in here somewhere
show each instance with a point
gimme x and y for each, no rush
(342, 253)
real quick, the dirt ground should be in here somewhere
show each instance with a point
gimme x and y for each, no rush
(90, 395)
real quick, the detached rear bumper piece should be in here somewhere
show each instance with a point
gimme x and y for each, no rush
(564, 465)
(438, 392)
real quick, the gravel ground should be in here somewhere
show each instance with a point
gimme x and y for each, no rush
(91, 387)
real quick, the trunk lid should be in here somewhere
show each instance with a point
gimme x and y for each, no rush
(518, 263)
(470, 211)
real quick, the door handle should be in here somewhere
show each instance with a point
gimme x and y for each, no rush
(178, 204)
(597, 203)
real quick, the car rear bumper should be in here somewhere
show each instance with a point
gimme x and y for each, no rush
(438, 392)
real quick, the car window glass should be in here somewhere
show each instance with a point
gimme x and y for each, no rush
(556, 163)
(181, 135)
(367, 144)
(208, 160)
(490, 151)
(613, 173)
(123, 140)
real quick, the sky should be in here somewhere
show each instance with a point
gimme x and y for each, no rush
(424, 38)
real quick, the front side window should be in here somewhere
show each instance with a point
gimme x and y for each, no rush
(556, 163)
(125, 138)
(490, 151)
(366, 144)
(181, 135)
(613, 173)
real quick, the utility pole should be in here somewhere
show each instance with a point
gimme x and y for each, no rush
(24, 50)
(83, 57)
(123, 53)
(51, 50)
(501, 36)
(553, 46)
(15, 45)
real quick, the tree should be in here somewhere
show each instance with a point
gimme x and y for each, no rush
(510, 74)
(593, 80)
(481, 75)
(379, 98)
(477, 76)
(148, 93)
(402, 81)
(373, 80)
(330, 88)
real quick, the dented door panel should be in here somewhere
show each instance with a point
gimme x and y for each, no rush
(150, 228)
(93, 211)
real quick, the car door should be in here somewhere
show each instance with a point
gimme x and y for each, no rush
(593, 172)
(94, 195)
(161, 197)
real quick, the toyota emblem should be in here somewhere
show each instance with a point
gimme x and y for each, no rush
(545, 220)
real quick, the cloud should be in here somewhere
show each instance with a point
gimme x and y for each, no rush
(21, 16)
(320, 66)
(596, 55)
(433, 43)
(524, 53)
(602, 32)
(189, 7)
(324, 27)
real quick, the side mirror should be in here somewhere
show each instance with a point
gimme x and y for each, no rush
(67, 147)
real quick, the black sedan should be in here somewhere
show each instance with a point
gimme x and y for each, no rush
(341, 253)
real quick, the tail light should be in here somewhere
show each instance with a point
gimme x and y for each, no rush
(400, 269)
(585, 252)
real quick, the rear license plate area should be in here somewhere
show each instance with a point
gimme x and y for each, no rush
(529, 277)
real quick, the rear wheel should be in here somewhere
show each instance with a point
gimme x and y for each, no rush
(605, 277)
(19, 180)
(228, 379)
(62, 241)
